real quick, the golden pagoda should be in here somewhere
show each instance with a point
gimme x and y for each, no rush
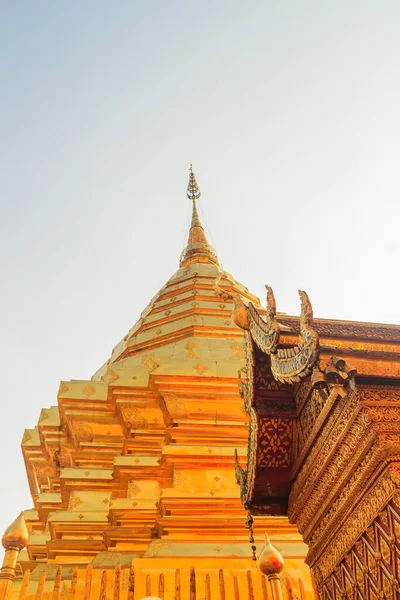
(132, 473)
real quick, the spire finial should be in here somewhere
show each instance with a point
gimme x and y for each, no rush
(193, 190)
(198, 249)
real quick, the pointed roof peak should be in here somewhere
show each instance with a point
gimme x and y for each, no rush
(198, 250)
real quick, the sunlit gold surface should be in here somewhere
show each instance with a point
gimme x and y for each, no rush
(132, 472)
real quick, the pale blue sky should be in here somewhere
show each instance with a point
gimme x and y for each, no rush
(289, 112)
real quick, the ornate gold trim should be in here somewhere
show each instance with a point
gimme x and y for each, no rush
(265, 333)
(290, 365)
(362, 516)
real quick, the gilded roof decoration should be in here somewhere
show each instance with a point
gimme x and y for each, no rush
(240, 312)
(347, 329)
(266, 332)
(289, 365)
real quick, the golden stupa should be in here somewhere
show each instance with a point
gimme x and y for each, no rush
(132, 472)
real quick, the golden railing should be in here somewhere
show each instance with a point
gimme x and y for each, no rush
(51, 582)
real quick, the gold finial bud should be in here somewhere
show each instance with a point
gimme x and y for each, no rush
(16, 536)
(270, 562)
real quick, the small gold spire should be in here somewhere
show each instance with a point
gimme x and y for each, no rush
(16, 535)
(270, 562)
(198, 250)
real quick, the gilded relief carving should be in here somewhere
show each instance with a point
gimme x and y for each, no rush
(275, 442)
(64, 458)
(311, 411)
(43, 416)
(133, 417)
(89, 390)
(246, 387)
(133, 489)
(343, 503)
(112, 376)
(27, 437)
(156, 547)
(200, 368)
(379, 394)
(263, 378)
(362, 515)
(81, 430)
(385, 414)
(179, 479)
(371, 568)
(322, 449)
(330, 471)
(150, 363)
(177, 409)
(190, 347)
(347, 330)
(74, 502)
(303, 391)
(63, 388)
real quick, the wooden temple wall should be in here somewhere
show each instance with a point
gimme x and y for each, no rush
(372, 567)
(345, 496)
(173, 584)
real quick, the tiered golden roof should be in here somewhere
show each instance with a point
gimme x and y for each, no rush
(134, 468)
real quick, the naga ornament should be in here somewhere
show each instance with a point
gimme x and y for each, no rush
(289, 365)
(265, 332)
(239, 314)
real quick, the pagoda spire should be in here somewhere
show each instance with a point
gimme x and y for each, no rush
(197, 250)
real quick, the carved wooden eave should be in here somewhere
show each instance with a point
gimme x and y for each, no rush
(373, 348)
(345, 486)
(265, 483)
(325, 449)
(272, 369)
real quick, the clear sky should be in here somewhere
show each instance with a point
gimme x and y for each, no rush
(289, 112)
